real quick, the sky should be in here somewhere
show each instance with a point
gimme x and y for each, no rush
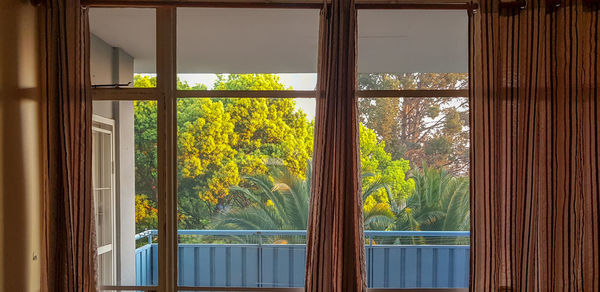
(298, 81)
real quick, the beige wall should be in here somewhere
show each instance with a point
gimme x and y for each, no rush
(20, 140)
(20, 137)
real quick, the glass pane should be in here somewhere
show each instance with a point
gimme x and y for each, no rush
(104, 216)
(124, 184)
(123, 45)
(102, 186)
(224, 48)
(105, 272)
(415, 169)
(244, 168)
(412, 49)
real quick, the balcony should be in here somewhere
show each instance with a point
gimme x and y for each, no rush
(263, 258)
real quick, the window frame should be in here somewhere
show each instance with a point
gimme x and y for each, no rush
(166, 95)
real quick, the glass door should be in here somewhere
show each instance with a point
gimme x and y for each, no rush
(103, 183)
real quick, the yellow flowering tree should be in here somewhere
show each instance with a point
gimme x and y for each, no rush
(221, 140)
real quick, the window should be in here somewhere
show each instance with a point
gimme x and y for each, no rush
(214, 127)
(124, 183)
(414, 135)
(244, 144)
(415, 166)
(243, 193)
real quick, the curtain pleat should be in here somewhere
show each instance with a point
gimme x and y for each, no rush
(335, 249)
(69, 258)
(535, 118)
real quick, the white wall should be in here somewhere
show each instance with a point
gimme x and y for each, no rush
(110, 65)
(101, 61)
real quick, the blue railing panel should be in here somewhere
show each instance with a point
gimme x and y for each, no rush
(154, 262)
(461, 267)
(143, 265)
(282, 265)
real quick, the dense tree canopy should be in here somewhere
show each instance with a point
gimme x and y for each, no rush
(422, 130)
(220, 140)
(242, 157)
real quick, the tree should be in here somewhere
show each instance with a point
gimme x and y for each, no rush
(249, 82)
(277, 201)
(377, 165)
(222, 139)
(430, 130)
(440, 203)
(206, 159)
(146, 214)
(280, 201)
(148, 81)
(145, 133)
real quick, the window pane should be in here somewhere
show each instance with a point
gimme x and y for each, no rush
(412, 49)
(243, 190)
(224, 48)
(124, 186)
(415, 170)
(123, 45)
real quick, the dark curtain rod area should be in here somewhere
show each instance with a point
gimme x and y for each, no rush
(425, 5)
(312, 4)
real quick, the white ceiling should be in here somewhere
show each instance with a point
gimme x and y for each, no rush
(133, 30)
(222, 40)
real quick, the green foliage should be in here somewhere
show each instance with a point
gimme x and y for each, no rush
(430, 130)
(147, 81)
(220, 140)
(206, 158)
(146, 214)
(440, 202)
(376, 160)
(249, 82)
(144, 81)
(244, 163)
(145, 133)
(280, 201)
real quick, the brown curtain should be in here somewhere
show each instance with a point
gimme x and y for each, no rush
(69, 261)
(335, 250)
(536, 147)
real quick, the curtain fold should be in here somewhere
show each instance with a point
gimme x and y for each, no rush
(69, 251)
(535, 118)
(335, 249)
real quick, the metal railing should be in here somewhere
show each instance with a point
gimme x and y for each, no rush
(369, 234)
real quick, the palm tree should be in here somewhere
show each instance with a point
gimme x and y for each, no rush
(281, 201)
(380, 215)
(278, 202)
(440, 202)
